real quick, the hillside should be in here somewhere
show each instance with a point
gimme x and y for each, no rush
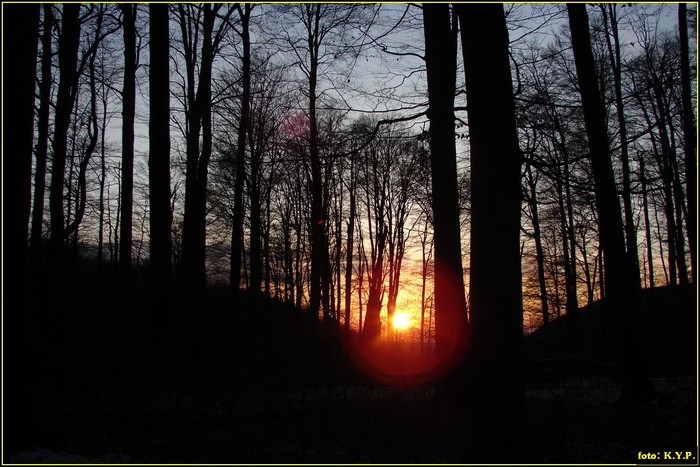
(274, 386)
(669, 317)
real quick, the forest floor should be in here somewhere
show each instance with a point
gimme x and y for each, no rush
(100, 396)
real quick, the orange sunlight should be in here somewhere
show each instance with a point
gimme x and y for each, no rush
(401, 320)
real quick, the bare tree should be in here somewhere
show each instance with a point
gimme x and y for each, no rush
(68, 43)
(21, 24)
(610, 23)
(129, 12)
(42, 134)
(322, 41)
(240, 173)
(450, 301)
(689, 137)
(375, 181)
(159, 169)
(495, 287)
(621, 285)
(198, 25)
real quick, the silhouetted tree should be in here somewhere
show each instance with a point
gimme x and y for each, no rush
(21, 27)
(495, 288)
(68, 43)
(239, 164)
(350, 243)
(159, 169)
(689, 137)
(610, 23)
(202, 30)
(375, 181)
(531, 198)
(441, 65)
(621, 286)
(654, 74)
(647, 222)
(323, 40)
(42, 145)
(129, 12)
(402, 188)
(87, 147)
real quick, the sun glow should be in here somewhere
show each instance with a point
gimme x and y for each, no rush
(401, 321)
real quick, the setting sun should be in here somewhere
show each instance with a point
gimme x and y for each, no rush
(401, 321)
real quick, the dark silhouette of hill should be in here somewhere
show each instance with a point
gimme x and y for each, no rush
(274, 385)
(669, 322)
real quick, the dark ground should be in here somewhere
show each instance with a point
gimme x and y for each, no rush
(276, 388)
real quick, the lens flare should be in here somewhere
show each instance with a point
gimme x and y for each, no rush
(401, 321)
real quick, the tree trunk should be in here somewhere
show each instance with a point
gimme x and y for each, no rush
(255, 220)
(671, 275)
(103, 178)
(620, 284)
(350, 245)
(266, 247)
(680, 210)
(22, 28)
(197, 165)
(425, 260)
(689, 137)
(675, 204)
(194, 222)
(496, 313)
(616, 65)
(42, 146)
(450, 300)
(539, 251)
(243, 128)
(68, 43)
(319, 242)
(128, 116)
(647, 225)
(159, 171)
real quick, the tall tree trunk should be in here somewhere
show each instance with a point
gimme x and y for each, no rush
(68, 43)
(689, 137)
(666, 169)
(375, 193)
(450, 300)
(255, 220)
(496, 313)
(350, 245)
(425, 260)
(616, 65)
(103, 177)
(675, 204)
(319, 242)
(680, 211)
(671, 275)
(621, 291)
(239, 183)
(539, 251)
(159, 171)
(360, 275)
(128, 116)
(266, 246)
(194, 222)
(193, 263)
(42, 146)
(21, 24)
(647, 225)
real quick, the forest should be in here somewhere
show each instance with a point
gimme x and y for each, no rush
(349, 233)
